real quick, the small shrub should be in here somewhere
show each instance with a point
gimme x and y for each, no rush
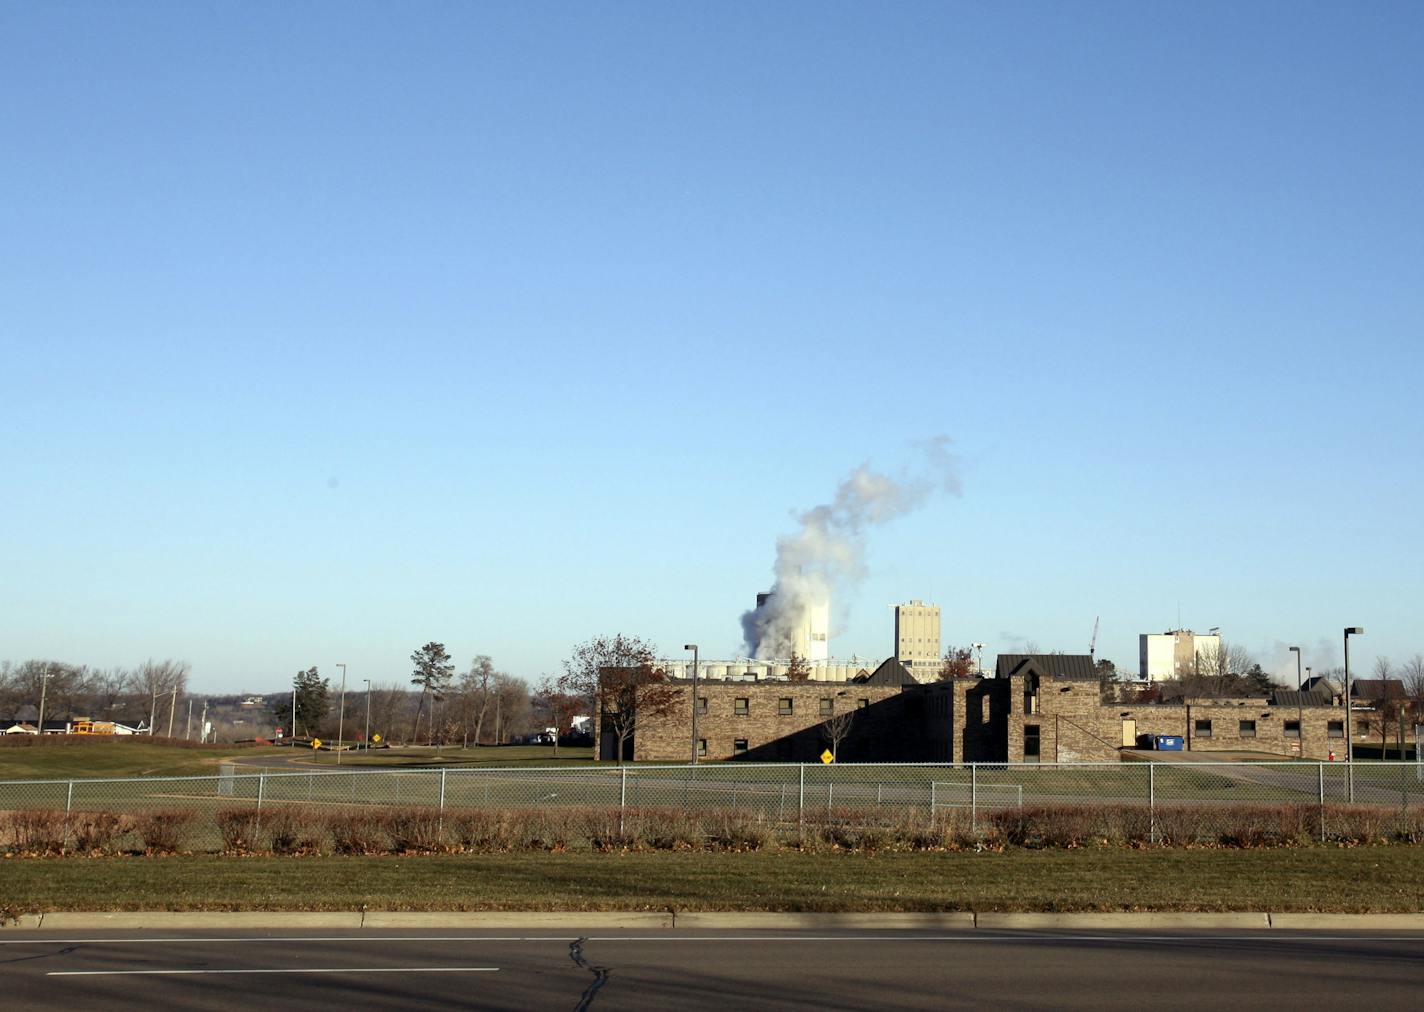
(96, 831)
(483, 831)
(239, 829)
(741, 831)
(164, 831)
(36, 831)
(415, 830)
(357, 832)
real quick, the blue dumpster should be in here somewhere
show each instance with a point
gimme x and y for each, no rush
(1167, 742)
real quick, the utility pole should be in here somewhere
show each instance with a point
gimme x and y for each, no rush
(44, 688)
(203, 722)
(188, 726)
(172, 705)
(368, 714)
(341, 717)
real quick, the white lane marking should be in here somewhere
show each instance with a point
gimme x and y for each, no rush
(335, 969)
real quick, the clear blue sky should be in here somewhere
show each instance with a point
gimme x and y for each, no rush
(332, 328)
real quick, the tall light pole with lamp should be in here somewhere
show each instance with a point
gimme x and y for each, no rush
(979, 662)
(693, 648)
(1352, 630)
(1299, 706)
(341, 715)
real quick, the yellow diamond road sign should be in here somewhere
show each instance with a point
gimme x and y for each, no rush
(827, 757)
(376, 738)
(316, 743)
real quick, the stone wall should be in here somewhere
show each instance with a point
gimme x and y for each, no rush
(784, 721)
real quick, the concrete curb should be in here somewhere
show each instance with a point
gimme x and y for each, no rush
(175, 920)
(1125, 919)
(1348, 922)
(600, 919)
(774, 920)
(605, 920)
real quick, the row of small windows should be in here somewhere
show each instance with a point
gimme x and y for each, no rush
(1289, 729)
(784, 748)
(785, 706)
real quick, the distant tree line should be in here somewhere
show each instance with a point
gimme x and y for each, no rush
(148, 694)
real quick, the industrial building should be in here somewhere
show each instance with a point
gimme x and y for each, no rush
(917, 639)
(1176, 653)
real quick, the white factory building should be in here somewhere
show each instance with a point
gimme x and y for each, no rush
(1175, 653)
(917, 647)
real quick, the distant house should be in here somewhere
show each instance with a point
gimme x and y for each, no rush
(18, 727)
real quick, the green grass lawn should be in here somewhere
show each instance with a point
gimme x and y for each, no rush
(1310, 879)
(451, 756)
(63, 758)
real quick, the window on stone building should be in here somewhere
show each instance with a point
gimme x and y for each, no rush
(1031, 743)
(783, 706)
(1292, 729)
(828, 706)
(739, 746)
(861, 704)
(1202, 729)
(701, 704)
(741, 706)
(1335, 729)
(1247, 728)
(1362, 727)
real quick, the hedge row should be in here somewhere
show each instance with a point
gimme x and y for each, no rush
(425, 830)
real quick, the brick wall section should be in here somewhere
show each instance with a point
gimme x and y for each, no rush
(1074, 726)
(968, 720)
(878, 731)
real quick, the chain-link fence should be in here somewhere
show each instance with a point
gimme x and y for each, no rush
(774, 789)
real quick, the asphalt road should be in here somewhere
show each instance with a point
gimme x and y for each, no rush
(682, 969)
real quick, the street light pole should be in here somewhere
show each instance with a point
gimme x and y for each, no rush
(341, 717)
(44, 688)
(693, 648)
(1299, 707)
(1353, 630)
(368, 713)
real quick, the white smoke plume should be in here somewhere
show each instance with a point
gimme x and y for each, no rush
(827, 551)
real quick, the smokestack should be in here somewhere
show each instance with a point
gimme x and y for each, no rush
(827, 552)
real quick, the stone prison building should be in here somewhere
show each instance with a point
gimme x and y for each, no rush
(1035, 708)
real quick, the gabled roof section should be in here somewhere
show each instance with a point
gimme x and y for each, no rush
(1377, 688)
(1290, 697)
(890, 672)
(1062, 667)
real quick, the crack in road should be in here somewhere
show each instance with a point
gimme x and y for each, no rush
(600, 974)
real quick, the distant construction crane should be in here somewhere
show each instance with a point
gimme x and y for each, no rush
(1093, 643)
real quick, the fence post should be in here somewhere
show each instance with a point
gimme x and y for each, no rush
(261, 789)
(973, 796)
(442, 790)
(830, 795)
(1152, 802)
(932, 802)
(622, 796)
(69, 799)
(1320, 771)
(801, 797)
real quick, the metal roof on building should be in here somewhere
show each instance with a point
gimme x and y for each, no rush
(1073, 667)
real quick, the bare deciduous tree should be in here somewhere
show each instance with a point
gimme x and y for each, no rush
(836, 728)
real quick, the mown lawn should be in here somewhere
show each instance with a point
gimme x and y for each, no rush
(1311, 879)
(451, 756)
(65, 758)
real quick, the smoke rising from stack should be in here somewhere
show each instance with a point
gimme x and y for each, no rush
(827, 551)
